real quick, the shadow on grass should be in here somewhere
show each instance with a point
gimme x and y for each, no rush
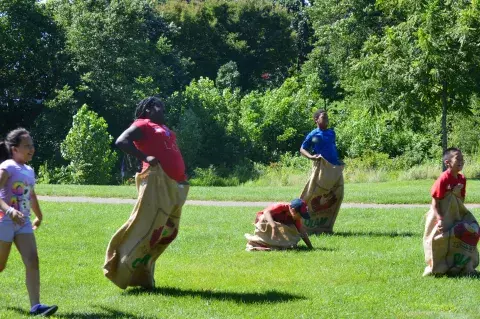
(372, 234)
(301, 249)
(462, 276)
(106, 313)
(270, 296)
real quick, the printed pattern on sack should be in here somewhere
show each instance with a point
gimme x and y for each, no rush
(162, 233)
(323, 202)
(141, 261)
(460, 260)
(312, 223)
(467, 233)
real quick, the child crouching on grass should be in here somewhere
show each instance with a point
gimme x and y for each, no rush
(451, 232)
(279, 226)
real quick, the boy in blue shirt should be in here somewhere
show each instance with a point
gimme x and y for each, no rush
(324, 189)
(321, 140)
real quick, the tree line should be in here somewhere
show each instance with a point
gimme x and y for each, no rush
(241, 79)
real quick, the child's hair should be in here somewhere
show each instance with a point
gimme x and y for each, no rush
(316, 115)
(13, 139)
(448, 154)
(144, 104)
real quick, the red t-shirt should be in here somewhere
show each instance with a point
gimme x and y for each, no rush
(446, 182)
(280, 213)
(159, 141)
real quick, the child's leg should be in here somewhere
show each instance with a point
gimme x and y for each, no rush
(27, 247)
(4, 252)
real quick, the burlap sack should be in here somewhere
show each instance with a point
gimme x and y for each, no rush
(286, 237)
(454, 251)
(323, 194)
(152, 226)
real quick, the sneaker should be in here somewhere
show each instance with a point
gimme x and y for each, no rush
(43, 310)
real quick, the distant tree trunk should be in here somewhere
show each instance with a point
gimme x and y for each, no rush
(444, 120)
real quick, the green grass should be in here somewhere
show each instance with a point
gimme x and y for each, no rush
(397, 192)
(371, 268)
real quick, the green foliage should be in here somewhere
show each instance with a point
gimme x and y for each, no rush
(359, 132)
(464, 132)
(253, 33)
(31, 61)
(51, 126)
(425, 64)
(56, 175)
(121, 52)
(209, 118)
(279, 120)
(210, 177)
(341, 28)
(227, 76)
(88, 148)
(393, 75)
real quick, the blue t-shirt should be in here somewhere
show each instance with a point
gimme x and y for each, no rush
(322, 143)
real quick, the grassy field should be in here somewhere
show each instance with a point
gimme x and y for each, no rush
(398, 192)
(370, 268)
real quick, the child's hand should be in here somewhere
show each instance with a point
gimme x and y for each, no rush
(151, 160)
(36, 223)
(18, 217)
(440, 225)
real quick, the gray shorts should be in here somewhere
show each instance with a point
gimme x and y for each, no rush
(8, 229)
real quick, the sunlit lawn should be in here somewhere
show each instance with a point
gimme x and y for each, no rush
(404, 192)
(371, 268)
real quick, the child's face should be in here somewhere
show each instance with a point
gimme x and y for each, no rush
(295, 215)
(455, 163)
(157, 113)
(23, 153)
(322, 121)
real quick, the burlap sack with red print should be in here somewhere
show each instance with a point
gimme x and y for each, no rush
(453, 252)
(152, 226)
(286, 236)
(323, 194)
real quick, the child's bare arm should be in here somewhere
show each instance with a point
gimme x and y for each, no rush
(36, 210)
(307, 154)
(305, 238)
(268, 217)
(437, 213)
(436, 208)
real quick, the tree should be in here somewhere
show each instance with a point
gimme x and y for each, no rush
(278, 121)
(214, 137)
(121, 51)
(31, 61)
(425, 65)
(341, 27)
(255, 34)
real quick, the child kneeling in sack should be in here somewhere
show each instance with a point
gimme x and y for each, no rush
(279, 226)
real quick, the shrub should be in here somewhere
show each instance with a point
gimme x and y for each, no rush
(88, 148)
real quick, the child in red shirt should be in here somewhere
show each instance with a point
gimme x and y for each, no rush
(451, 231)
(450, 180)
(278, 216)
(162, 191)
